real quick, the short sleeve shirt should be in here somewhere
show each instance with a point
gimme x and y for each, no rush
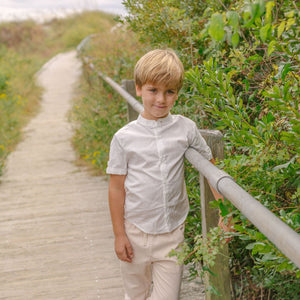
(151, 155)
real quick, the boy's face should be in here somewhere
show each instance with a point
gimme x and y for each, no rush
(157, 99)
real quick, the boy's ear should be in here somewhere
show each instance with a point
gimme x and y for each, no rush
(138, 90)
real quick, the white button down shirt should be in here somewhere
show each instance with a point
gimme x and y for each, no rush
(151, 155)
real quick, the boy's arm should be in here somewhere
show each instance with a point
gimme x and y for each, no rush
(116, 205)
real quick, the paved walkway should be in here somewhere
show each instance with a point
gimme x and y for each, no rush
(56, 240)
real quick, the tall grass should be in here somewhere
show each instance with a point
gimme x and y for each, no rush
(24, 48)
(99, 111)
(18, 94)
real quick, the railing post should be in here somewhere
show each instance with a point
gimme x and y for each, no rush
(129, 86)
(210, 218)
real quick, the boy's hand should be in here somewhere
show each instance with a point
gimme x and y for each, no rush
(123, 248)
(228, 227)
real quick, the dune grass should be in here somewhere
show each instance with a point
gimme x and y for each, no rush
(98, 110)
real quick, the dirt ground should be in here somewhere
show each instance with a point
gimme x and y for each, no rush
(56, 237)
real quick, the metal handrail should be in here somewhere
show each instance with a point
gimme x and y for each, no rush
(137, 106)
(280, 234)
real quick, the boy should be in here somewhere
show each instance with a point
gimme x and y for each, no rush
(147, 194)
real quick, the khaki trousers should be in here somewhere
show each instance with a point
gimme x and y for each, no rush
(151, 265)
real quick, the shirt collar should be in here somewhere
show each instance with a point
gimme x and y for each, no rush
(152, 123)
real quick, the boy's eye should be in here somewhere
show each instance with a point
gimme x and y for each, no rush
(171, 92)
(153, 90)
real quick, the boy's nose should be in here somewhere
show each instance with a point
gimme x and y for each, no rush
(161, 97)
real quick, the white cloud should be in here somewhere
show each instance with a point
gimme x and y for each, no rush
(74, 4)
(42, 9)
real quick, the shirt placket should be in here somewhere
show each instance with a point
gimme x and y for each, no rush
(163, 172)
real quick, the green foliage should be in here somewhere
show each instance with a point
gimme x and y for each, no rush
(16, 74)
(243, 79)
(171, 23)
(72, 30)
(216, 27)
(204, 252)
(99, 111)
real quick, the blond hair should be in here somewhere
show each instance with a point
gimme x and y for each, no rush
(159, 66)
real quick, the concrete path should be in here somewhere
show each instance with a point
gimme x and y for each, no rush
(56, 240)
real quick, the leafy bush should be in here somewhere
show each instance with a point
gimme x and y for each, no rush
(243, 78)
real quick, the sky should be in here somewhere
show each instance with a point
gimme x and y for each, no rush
(20, 9)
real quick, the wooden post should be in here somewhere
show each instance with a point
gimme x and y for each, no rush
(210, 218)
(129, 86)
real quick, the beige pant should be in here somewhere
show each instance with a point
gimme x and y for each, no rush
(151, 264)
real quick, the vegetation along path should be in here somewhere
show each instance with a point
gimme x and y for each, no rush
(56, 237)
